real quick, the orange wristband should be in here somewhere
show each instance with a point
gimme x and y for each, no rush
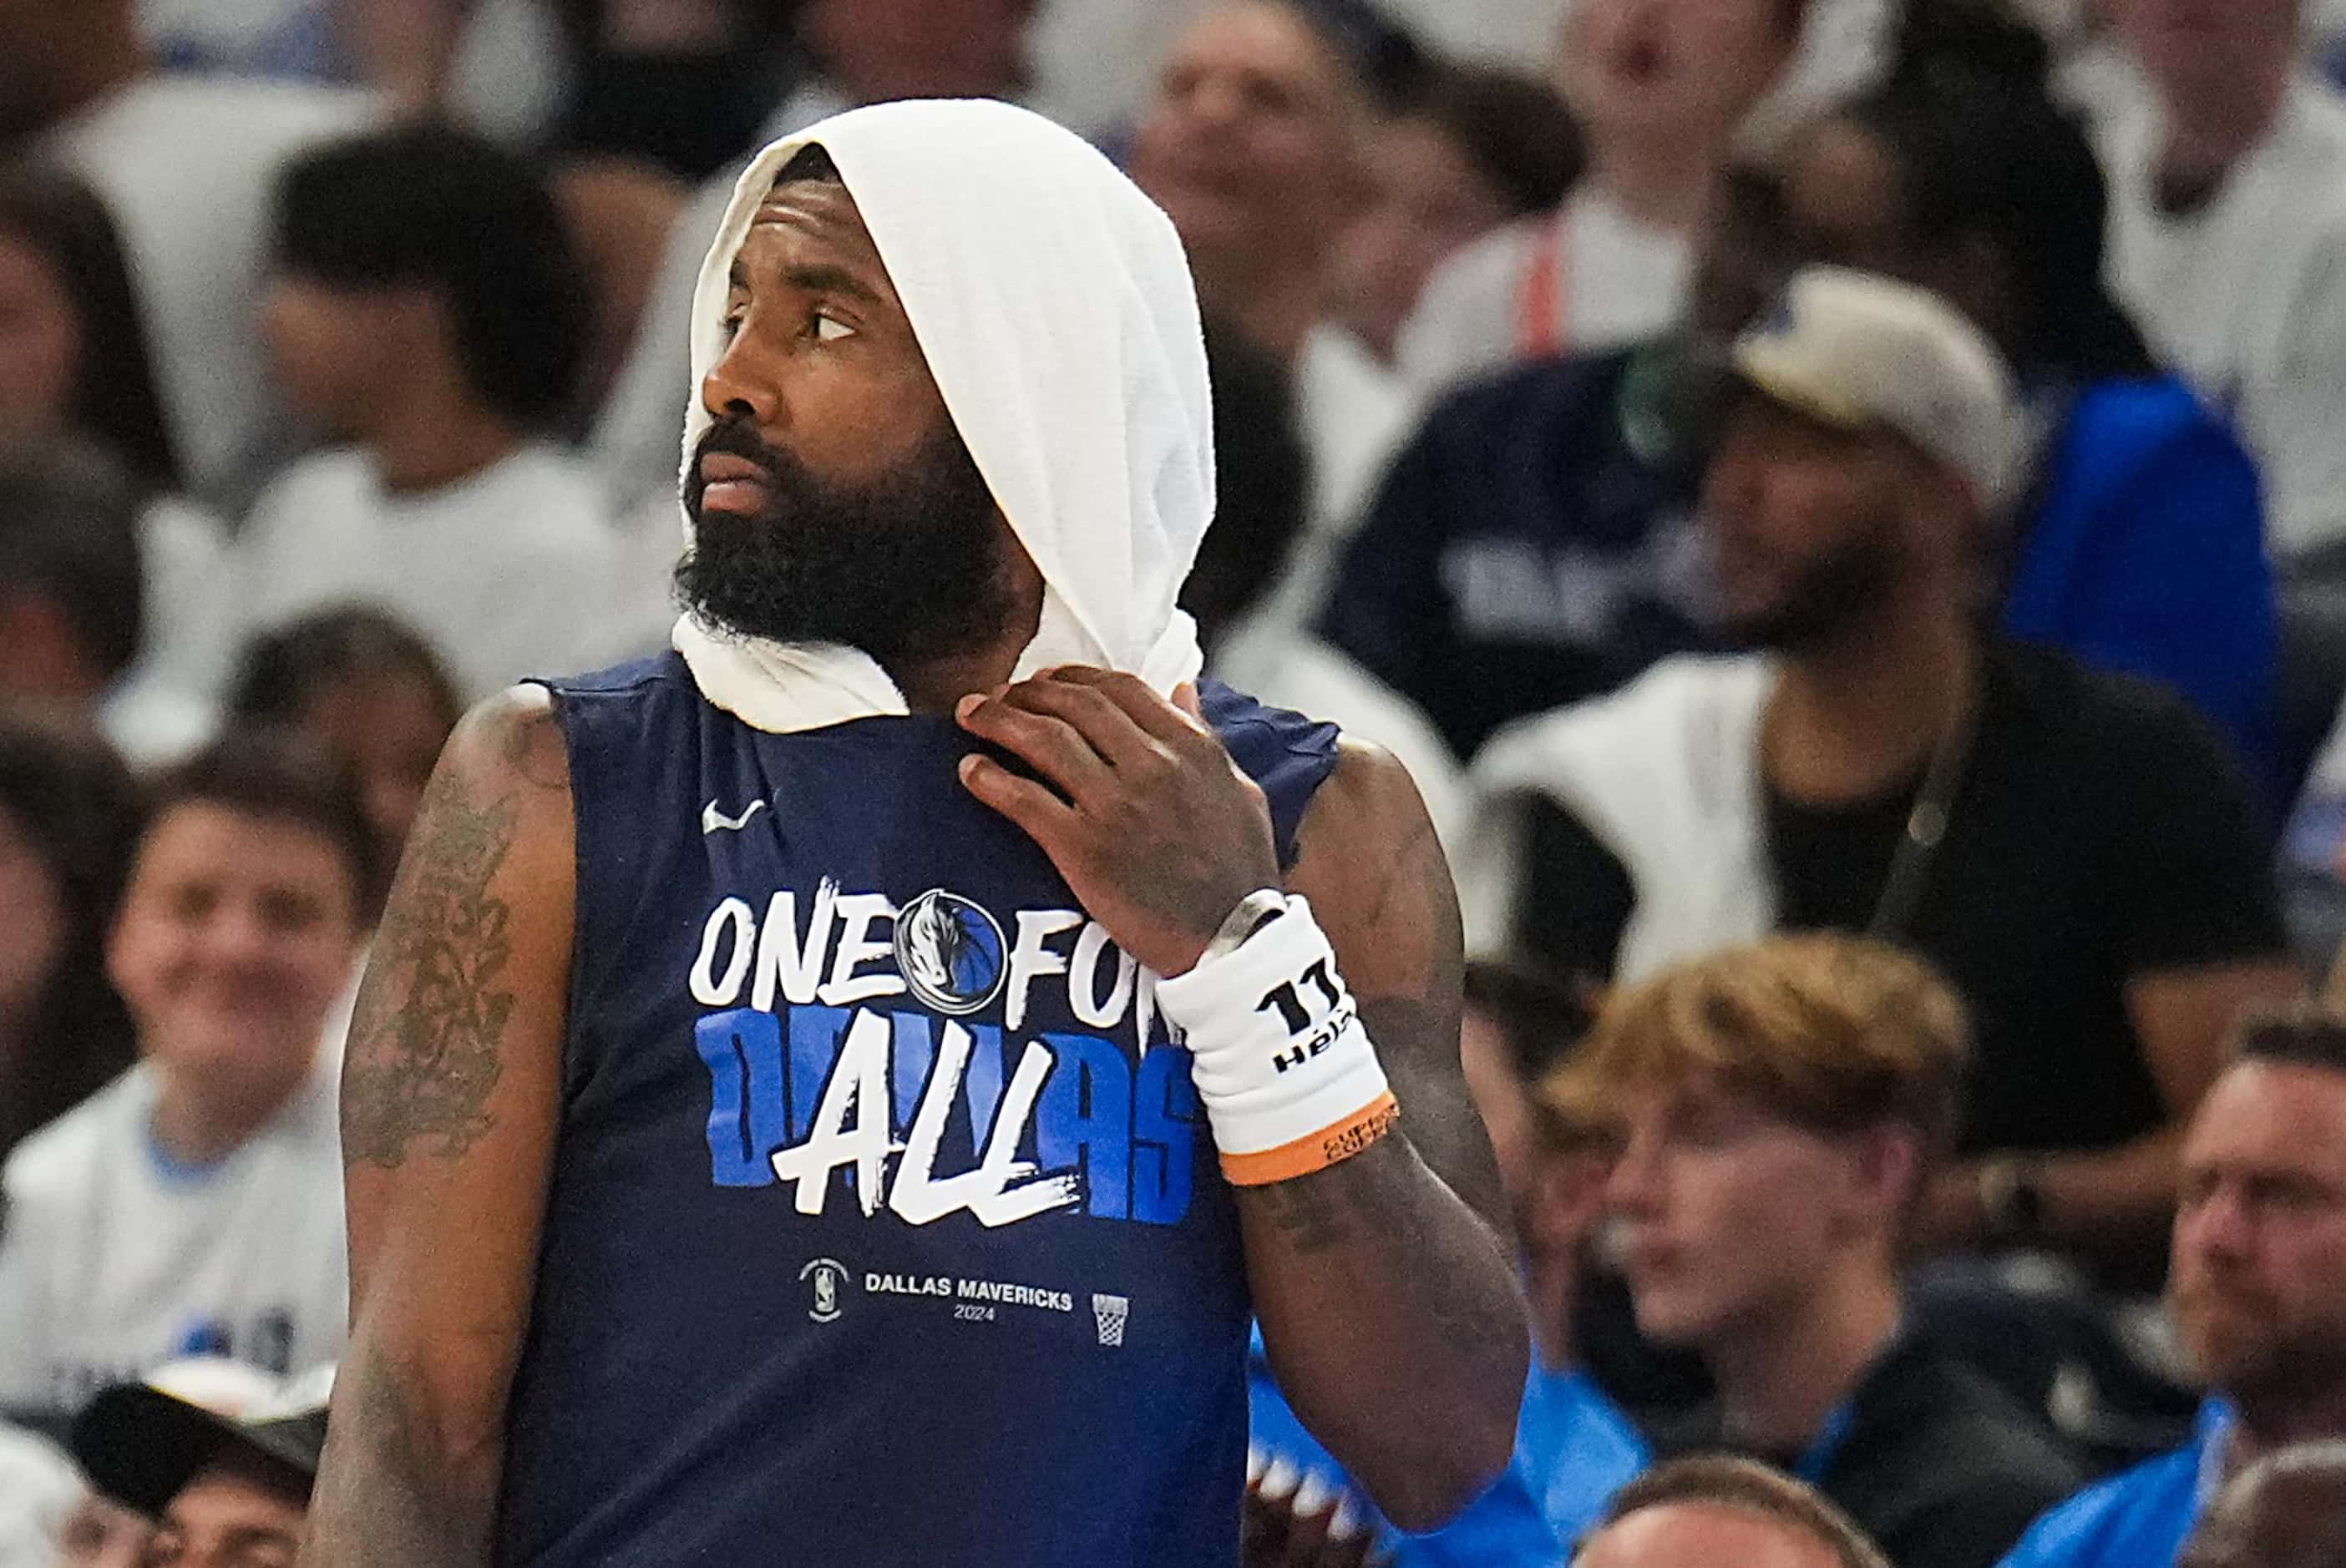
(1331, 1145)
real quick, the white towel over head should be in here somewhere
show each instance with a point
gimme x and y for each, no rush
(1054, 306)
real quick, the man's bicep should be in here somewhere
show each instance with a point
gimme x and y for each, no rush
(1380, 887)
(451, 1081)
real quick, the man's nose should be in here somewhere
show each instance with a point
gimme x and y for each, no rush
(1631, 1184)
(2216, 1225)
(745, 383)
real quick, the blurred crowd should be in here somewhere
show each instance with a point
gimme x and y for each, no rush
(1839, 505)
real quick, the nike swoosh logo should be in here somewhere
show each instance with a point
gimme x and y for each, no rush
(713, 820)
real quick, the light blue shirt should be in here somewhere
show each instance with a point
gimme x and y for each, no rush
(1574, 1450)
(2137, 1520)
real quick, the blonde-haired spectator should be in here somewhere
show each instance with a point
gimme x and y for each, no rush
(1779, 1108)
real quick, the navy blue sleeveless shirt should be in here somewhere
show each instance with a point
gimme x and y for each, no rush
(885, 1227)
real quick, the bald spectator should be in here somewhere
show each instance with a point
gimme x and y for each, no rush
(186, 164)
(2286, 1511)
(1661, 89)
(2257, 1292)
(1702, 1511)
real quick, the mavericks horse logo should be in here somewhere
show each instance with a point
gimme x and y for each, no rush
(949, 951)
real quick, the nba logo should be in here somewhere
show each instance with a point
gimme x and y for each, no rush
(823, 1276)
(1111, 1312)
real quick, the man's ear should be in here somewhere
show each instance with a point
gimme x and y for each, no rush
(1886, 1168)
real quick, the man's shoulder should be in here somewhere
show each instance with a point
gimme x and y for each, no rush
(256, 110)
(537, 507)
(58, 1163)
(2312, 133)
(220, 118)
(1273, 745)
(2102, 713)
(1546, 400)
(1985, 1436)
(544, 493)
(1681, 700)
(331, 470)
(2134, 1520)
(1940, 1461)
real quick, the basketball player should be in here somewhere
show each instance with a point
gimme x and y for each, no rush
(766, 1141)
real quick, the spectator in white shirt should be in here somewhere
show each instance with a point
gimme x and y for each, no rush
(428, 308)
(1661, 88)
(2229, 238)
(184, 162)
(75, 364)
(194, 1206)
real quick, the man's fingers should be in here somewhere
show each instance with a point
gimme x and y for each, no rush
(1043, 815)
(1185, 698)
(1134, 695)
(1313, 1509)
(1092, 714)
(1051, 746)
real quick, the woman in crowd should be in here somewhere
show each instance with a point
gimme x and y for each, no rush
(2137, 543)
(75, 364)
(69, 820)
(368, 688)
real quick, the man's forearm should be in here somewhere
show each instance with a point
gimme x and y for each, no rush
(389, 1498)
(2124, 1196)
(2114, 1201)
(1395, 1326)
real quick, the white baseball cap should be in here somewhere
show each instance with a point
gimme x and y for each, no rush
(1858, 352)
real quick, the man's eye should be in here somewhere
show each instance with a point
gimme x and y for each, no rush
(730, 326)
(830, 329)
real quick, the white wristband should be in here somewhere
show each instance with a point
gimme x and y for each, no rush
(1289, 1081)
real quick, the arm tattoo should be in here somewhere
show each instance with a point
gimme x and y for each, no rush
(425, 1047)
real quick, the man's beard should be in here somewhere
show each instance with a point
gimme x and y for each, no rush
(909, 568)
(2260, 1355)
(1832, 594)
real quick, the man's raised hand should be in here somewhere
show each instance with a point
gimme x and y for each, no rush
(1140, 807)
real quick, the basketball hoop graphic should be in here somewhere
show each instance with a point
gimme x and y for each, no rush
(1110, 1312)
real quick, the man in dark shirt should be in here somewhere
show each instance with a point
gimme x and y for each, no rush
(1778, 1107)
(2072, 851)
